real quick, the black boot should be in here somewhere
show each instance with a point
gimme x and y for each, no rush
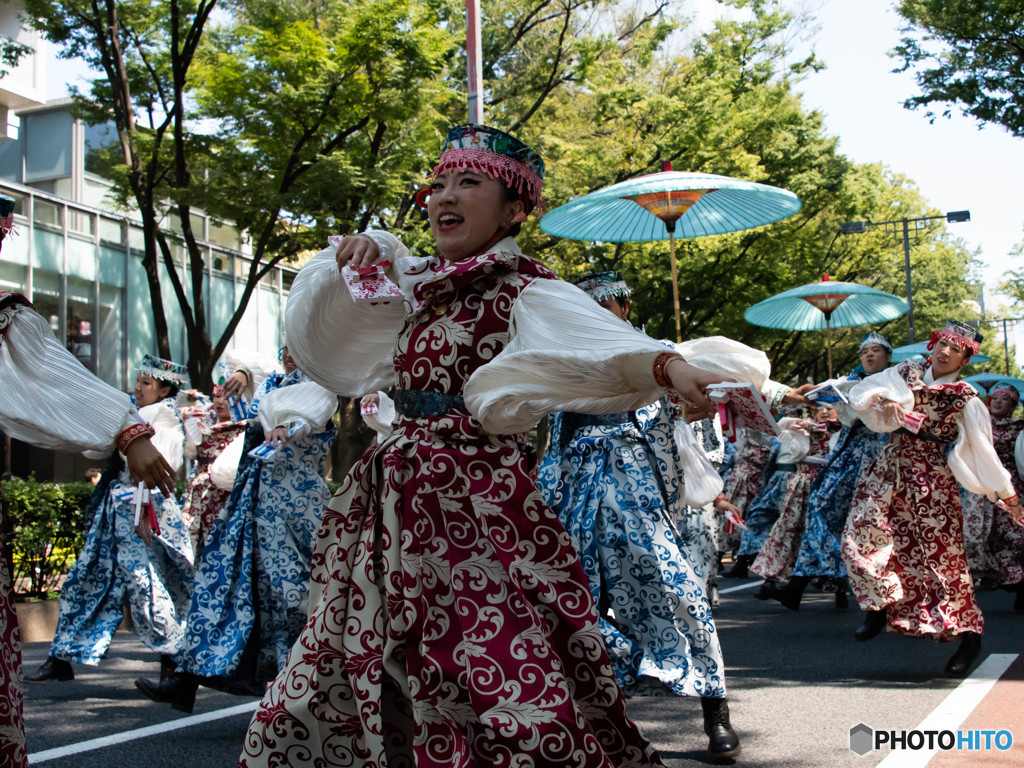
(790, 594)
(764, 591)
(723, 742)
(178, 690)
(740, 567)
(965, 656)
(167, 666)
(52, 669)
(842, 601)
(1018, 600)
(874, 622)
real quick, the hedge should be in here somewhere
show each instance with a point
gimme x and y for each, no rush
(44, 530)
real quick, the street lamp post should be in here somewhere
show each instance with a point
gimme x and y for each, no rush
(904, 224)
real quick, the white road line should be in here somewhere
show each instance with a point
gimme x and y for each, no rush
(953, 710)
(751, 585)
(139, 733)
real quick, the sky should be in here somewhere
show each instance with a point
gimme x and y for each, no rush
(956, 163)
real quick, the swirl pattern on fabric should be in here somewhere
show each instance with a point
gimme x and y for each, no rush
(820, 551)
(250, 598)
(114, 562)
(995, 544)
(778, 552)
(204, 500)
(903, 545)
(455, 626)
(618, 492)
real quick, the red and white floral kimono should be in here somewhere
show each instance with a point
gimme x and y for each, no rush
(41, 388)
(207, 489)
(904, 544)
(778, 553)
(455, 625)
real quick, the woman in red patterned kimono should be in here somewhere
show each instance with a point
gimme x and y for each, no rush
(208, 434)
(41, 387)
(455, 625)
(904, 545)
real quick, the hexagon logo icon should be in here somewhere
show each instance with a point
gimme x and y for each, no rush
(861, 739)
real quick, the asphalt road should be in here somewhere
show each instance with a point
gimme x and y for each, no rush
(797, 683)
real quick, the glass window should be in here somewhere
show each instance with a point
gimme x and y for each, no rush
(224, 236)
(81, 223)
(80, 340)
(46, 297)
(287, 278)
(111, 231)
(98, 138)
(10, 160)
(110, 366)
(137, 240)
(220, 262)
(47, 137)
(13, 277)
(111, 265)
(48, 214)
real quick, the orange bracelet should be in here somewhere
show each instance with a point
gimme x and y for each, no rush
(660, 365)
(134, 431)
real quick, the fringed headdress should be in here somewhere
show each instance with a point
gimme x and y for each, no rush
(604, 285)
(959, 334)
(166, 371)
(875, 338)
(1008, 389)
(497, 155)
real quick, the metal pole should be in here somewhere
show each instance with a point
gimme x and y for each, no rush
(1006, 347)
(906, 263)
(473, 62)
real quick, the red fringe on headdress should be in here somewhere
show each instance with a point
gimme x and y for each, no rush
(514, 173)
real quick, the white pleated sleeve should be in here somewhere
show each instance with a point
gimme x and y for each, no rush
(701, 481)
(170, 435)
(346, 346)
(225, 466)
(731, 359)
(877, 389)
(973, 460)
(566, 353)
(1018, 453)
(794, 442)
(306, 405)
(381, 422)
(48, 398)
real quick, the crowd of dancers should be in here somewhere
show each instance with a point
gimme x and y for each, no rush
(459, 601)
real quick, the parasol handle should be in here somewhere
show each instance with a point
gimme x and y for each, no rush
(675, 281)
(828, 342)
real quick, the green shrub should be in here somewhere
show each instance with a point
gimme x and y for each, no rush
(44, 531)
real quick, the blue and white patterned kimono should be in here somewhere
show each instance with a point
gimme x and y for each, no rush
(616, 483)
(251, 589)
(832, 494)
(114, 562)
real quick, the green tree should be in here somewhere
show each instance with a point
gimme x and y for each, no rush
(312, 102)
(967, 54)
